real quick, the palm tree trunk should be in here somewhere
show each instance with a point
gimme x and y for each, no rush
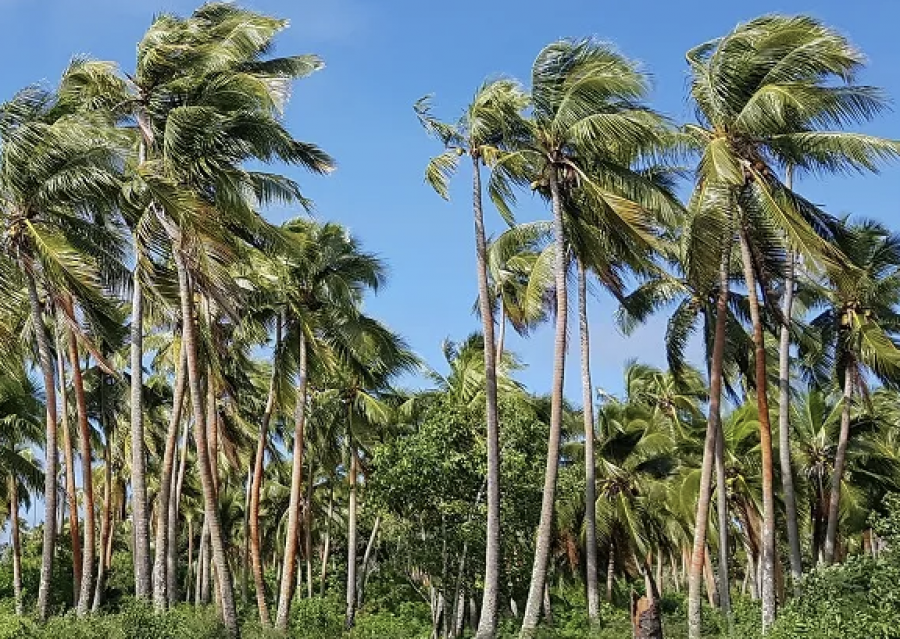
(487, 625)
(350, 617)
(501, 330)
(367, 558)
(16, 544)
(190, 559)
(713, 426)
(87, 458)
(610, 572)
(174, 509)
(256, 487)
(229, 613)
(840, 455)
(307, 528)
(163, 523)
(245, 551)
(292, 537)
(105, 522)
(140, 510)
(765, 440)
(326, 546)
(545, 527)
(724, 525)
(587, 398)
(784, 429)
(50, 466)
(69, 456)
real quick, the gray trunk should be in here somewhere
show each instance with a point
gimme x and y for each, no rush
(350, 617)
(16, 544)
(69, 458)
(140, 514)
(840, 455)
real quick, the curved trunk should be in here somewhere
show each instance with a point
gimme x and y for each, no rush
(840, 455)
(289, 567)
(487, 625)
(69, 457)
(587, 398)
(16, 544)
(722, 511)
(229, 613)
(106, 520)
(350, 617)
(174, 507)
(140, 511)
(255, 488)
(713, 426)
(545, 527)
(767, 586)
(50, 466)
(367, 558)
(164, 527)
(87, 458)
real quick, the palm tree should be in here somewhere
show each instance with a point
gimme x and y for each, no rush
(482, 131)
(764, 93)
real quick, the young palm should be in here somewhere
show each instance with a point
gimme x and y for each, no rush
(764, 93)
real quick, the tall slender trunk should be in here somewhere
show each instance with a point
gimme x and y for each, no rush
(163, 524)
(50, 466)
(307, 528)
(765, 440)
(201, 590)
(190, 559)
(106, 517)
(350, 617)
(784, 428)
(545, 527)
(326, 546)
(140, 510)
(487, 625)
(289, 567)
(724, 523)
(501, 330)
(229, 613)
(245, 551)
(256, 487)
(610, 572)
(174, 509)
(840, 455)
(367, 558)
(16, 544)
(87, 458)
(587, 398)
(69, 457)
(713, 426)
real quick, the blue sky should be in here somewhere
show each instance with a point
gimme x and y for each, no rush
(383, 55)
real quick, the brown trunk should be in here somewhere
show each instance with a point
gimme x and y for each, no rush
(545, 527)
(326, 546)
(289, 568)
(105, 522)
(16, 544)
(840, 455)
(69, 457)
(713, 426)
(765, 440)
(190, 561)
(307, 528)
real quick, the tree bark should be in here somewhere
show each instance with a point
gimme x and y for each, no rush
(610, 572)
(174, 509)
(289, 567)
(487, 625)
(367, 558)
(106, 521)
(50, 466)
(587, 398)
(765, 440)
(350, 617)
(713, 426)
(229, 613)
(307, 527)
(326, 547)
(724, 525)
(545, 527)
(840, 455)
(84, 429)
(163, 523)
(69, 457)
(16, 543)
(140, 510)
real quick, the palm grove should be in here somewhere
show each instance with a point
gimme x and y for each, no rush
(209, 416)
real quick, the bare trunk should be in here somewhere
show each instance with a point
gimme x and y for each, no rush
(105, 522)
(229, 613)
(50, 465)
(610, 573)
(545, 527)
(587, 398)
(307, 528)
(163, 523)
(713, 427)
(69, 457)
(367, 558)
(350, 618)
(326, 547)
(16, 544)
(174, 509)
(712, 594)
(140, 511)
(190, 559)
(293, 525)
(724, 525)
(834, 499)
(487, 625)
(765, 441)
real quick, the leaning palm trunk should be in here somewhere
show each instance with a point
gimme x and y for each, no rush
(16, 545)
(724, 523)
(350, 617)
(767, 585)
(590, 523)
(173, 508)
(840, 455)
(164, 526)
(487, 625)
(289, 567)
(105, 522)
(140, 511)
(545, 527)
(784, 426)
(69, 457)
(229, 613)
(50, 465)
(84, 431)
(713, 426)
